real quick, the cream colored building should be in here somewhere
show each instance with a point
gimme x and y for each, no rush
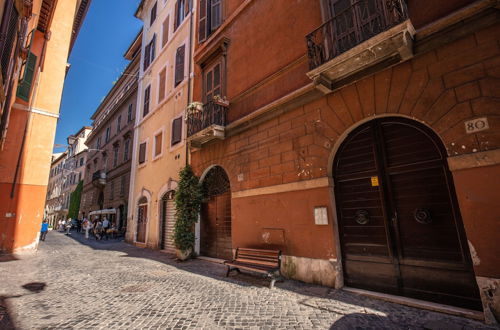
(159, 135)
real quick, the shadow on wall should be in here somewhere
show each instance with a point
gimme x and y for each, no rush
(6, 320)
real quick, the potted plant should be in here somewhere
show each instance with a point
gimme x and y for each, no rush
(220, 100)
(188, 200)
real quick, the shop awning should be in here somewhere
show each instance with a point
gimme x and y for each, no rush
(102, 212)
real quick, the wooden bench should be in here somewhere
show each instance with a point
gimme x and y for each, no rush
(261, 261)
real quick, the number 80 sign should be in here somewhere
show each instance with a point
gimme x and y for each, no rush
(476, 125)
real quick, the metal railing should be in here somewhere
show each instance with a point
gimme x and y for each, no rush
(213, 113)
(349, 27)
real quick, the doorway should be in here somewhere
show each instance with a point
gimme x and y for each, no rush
(215, 225)
(399, 223)
(142, 220)
(168, 222)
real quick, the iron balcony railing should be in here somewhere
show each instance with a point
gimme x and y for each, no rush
(352, 25)
(213, 113)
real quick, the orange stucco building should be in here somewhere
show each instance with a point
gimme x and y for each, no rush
(358, 137)
(42, 33)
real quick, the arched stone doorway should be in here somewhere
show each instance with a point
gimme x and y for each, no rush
(399, 224)
(142, 219)
(167, 211)
(215, 225)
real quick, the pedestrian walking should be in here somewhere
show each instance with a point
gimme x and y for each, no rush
(44, 230)
(79, 225)
(105, 227)
(68, 226)
(87, 225)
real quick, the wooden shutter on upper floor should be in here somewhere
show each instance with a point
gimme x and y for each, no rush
(176, 130)
(153, 48)
(23, 90)
(161, 85)
(164, 39)
(202, 21)
(187, 7)
(215, 14)
(145, 110)
(179, 65)
(176, 17)
(142, 153)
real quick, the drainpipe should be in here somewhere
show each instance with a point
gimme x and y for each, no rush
(190, 67)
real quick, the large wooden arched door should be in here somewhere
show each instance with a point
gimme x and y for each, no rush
(168, 222)
(215, 226)
(400, 226)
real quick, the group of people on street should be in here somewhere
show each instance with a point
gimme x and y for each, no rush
(99, 228)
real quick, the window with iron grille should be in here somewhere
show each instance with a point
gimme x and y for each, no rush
(209, 18)
(115, 156)
(176, 130)
(153, 15)
(179, 65)
(7, 37)
(142, 153)
(145, 109)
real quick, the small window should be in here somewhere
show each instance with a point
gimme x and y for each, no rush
(162, 85)
(98, 143)
(158, 144)
(119, 124)
(112, 190)
(213, 82)
(179, 65)
(81, 161)
(164, 37)
(145, 109)
(153, 14)
(122, 185)
(115, 156)
(149, 53)
(181, 11)
(129, 113)
(142, 153)
(126, 147)
(176, 130)
(108, 134)
(209, 18)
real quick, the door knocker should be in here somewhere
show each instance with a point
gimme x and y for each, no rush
(361, 217)
(422, 216)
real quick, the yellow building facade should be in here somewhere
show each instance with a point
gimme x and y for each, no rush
(159, 134)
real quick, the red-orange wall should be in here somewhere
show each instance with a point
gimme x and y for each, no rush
(478, 192)
(284, 221)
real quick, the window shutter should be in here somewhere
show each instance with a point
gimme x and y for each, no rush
(164, 39)
(215, 14)
(179, 65)
(145, 110)
(142, 153)
(202, 21)
(146, 57)
(161, 85)
(158, 146)
(187, 6)
(176, 130)
(153, 15)
(23, 91)
(176, 20)
(153, 49)
(8, 37)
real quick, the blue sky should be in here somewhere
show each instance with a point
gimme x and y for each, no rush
(96, 61)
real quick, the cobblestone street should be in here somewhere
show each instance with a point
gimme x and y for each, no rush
(74, 284)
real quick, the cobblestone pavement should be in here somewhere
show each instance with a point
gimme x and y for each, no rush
(71, 283)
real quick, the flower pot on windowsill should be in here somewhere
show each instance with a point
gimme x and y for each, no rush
(183, 255)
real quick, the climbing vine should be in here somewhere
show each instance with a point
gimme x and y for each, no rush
(188, 198)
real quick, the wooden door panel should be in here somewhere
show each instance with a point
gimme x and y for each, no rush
(413, 242)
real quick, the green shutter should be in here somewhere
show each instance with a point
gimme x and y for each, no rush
(24, 88)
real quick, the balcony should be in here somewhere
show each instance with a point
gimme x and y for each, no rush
(365, 37)
(99, 178)
(206, 123)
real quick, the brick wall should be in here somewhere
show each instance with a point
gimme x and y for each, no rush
(442, 88)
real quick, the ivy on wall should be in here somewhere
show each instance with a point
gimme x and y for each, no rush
(188, 198)
(74, 201)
